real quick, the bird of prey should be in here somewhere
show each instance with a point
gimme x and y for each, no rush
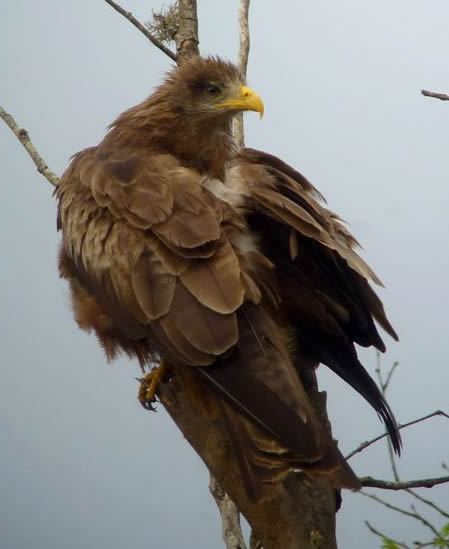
(227, 265)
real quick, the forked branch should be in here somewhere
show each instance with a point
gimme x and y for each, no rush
(368, 443)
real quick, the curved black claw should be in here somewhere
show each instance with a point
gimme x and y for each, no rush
(142, 395)
(148, 405)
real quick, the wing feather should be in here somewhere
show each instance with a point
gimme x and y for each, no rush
(208, 331)
(323, 282)
(216, 283)
(153, 286)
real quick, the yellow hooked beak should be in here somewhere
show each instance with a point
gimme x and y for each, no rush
(248, 100)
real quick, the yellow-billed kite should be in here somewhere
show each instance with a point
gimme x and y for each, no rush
(226, 264)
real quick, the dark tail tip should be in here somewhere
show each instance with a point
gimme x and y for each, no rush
(388, 418)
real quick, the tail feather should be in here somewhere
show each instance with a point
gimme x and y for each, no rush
(272, 425)
(362, 382)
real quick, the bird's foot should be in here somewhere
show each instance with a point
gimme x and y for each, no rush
(149, 385)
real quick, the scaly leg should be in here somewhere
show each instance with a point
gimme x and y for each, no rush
(149, 384)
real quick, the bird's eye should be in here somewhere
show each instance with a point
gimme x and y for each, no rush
(212, 90)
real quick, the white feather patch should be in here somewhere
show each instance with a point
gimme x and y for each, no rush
(231, 190)
(246, 243)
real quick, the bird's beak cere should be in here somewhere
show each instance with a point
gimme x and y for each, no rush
(248, 100)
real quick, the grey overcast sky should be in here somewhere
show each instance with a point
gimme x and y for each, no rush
(81, 463)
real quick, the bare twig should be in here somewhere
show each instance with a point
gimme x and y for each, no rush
(394, 469)
(239, 133)
(368, 443)
(402, 485)
(384, 384)
(389, 376)
(428, 502)
(391, 456)
(383, 387)
(128, 15)
(24, 138)
(230, 516)
(383, 536)
(412, 514)
(397, 484)
(378, 371)
(441, 96)
(419, 545)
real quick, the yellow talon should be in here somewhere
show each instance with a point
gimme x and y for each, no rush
(149, 384)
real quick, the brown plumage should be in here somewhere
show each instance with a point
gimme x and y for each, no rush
(225, 264)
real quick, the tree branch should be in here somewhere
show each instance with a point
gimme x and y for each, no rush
(441, 96)
(389, 376)
(368, 443)
(296, 513)
(239, 133)
(128, 15)
(186, 37)
(431, 504)
(383, 388)
(383, 536)
(412, 514)
(230, 516)
(402, 485)
(24, 138)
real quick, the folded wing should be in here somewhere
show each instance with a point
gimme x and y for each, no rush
(158, 264)
(324, 284)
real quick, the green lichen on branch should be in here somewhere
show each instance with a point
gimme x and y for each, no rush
(165, 23)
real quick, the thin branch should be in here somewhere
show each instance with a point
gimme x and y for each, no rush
(441, 96)
(389, 376)
(428, 502)
(402, 485)
(24, 138)
(412, 514)
(425, 522)
(383, 536)
(128, 15)
(239, 133)
(383, 388)
(419, 545)
(244, 36)
(368, 443)
(379, 372)
(384, 384)
(391, 456)
(397, 484)
(230, 516)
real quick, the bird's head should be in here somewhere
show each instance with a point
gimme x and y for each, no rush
(210, 89)
(189, 115)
